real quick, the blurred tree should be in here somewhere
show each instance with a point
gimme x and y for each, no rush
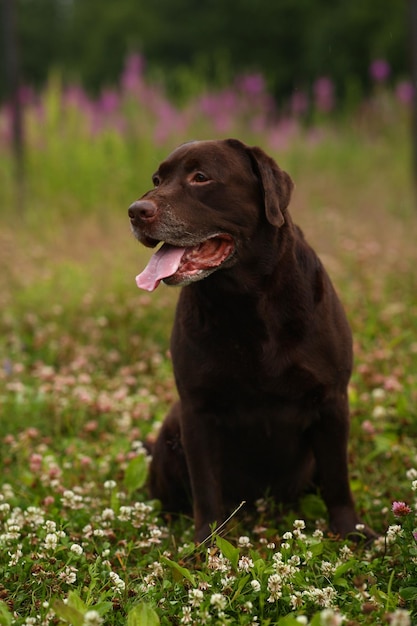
(291, 43)
(412, 13)
(10, 57)
(42, 36)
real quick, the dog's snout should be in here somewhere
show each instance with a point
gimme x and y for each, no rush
(142, 210)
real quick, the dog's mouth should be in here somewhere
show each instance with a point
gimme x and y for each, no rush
(177, 265)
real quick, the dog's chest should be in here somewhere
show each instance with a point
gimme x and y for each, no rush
(234, 363)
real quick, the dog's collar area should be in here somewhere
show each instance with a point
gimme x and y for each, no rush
(180, 265)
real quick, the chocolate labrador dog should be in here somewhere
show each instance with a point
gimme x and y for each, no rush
(261, 347)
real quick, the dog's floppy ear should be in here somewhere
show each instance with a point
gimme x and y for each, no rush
(277, 185)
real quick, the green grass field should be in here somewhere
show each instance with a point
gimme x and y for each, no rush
(85, 377)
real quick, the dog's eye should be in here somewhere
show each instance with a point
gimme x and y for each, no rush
(156, 180)
(199, 177)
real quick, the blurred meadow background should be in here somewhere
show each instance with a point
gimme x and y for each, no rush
(94, 95)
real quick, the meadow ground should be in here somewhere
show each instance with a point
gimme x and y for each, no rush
(86, 376)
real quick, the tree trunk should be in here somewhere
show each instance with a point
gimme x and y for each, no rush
(11, 57)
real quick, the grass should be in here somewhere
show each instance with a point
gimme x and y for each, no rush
(86, 377)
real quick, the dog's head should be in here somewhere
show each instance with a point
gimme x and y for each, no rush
(209, 200)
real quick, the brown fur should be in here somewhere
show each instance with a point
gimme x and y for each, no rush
(261, 348)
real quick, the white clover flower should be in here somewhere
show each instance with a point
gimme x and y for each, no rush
(92, 618)
(299, 524)
(327, 568)
(400, 617)
(322, 597)
(299, 535)
(138, 446)
(218, 563)
(394, 531)
(256, 585)
(274, 587)
(156, 569)
(414, 485)
(411, 474)
(245, 564)
(69, 575)
(380, 544)
(296, 600)
(50, 526)
(155, 534)
(379, 411)
(318, 534)
(345, 553)
(196, 597)
(186, 615)
(13, 532)
(16, 556)
(244, 542)
(8, 492)
(108, 515)
(379, 393)
(125, 513)
(277, 557)
(287, 536)
(219, 601)
(227, 580)
(110, 484)
(51, 541)
(34, 516)
(77, 549)
(118, 584)
(286, 570)
(72, 500)
(329, 618)
(204, 585)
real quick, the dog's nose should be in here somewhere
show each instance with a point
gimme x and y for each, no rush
(142, 210)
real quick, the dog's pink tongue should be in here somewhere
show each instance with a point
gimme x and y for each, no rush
(162, 264)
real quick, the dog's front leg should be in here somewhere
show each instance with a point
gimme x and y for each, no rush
(201, 442)
(330, 442)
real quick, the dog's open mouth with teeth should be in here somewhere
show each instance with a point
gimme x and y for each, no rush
(177, 265)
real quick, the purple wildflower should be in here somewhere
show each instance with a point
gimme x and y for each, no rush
(109, 101)
(324, 94)
(252, 84)
(132, 72)
(404, 92)
(299, 103)
(379, 70)
(400, 509)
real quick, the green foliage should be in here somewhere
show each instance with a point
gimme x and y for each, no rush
(136, 473)
(142, 615)
(5, 616)
(292, 43)
(75, 612)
